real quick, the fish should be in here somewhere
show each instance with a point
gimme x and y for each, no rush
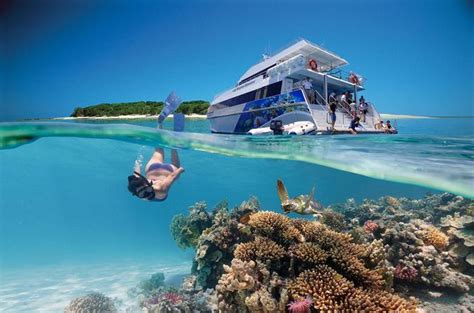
(302, 204)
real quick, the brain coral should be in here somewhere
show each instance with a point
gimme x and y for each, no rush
(262, 249)
(94, 302)
(435, 237)
(330, 291)
(275, 225)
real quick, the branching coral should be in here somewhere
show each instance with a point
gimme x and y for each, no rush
(330, 291)
(262, 249)
(94, 302)
(309, 253)
(333, 220)
(274, 225)
(436, 238)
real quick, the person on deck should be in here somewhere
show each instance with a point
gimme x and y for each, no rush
(308, 88)
(363, 108)
(345, 100)
(332, 109)
(389, 128)
(354, 124)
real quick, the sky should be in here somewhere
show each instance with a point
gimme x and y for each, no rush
(417, 55)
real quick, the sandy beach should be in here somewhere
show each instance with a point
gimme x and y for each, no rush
(127, 117)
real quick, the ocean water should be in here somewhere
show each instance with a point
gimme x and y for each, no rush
(68, 224)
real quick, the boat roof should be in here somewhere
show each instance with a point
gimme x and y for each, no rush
(326, 60)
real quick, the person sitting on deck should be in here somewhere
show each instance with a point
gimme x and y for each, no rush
(354, 124)
(388, 128)
(379, 125)
(308, 87)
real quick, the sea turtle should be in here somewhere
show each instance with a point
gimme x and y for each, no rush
(303, 204)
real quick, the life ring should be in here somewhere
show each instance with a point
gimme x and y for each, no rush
(354, 79)
(313, 65)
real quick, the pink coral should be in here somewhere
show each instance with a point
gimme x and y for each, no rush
(173, 297)
(404, 272)
(301, 306)
(370, 226)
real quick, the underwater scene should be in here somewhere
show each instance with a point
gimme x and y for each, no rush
(371, 223)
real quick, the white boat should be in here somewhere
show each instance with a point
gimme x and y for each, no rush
(272, 90)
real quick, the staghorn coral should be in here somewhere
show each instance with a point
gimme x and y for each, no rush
(333, 220)
(435, 237)
(309, 253)
(274, 225)
(330, 291)
(262, 249)
(94, 302)
(347, 257)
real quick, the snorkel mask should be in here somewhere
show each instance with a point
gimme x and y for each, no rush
(141, 187)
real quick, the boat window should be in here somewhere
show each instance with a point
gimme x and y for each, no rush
(268, 91)
(262, 72)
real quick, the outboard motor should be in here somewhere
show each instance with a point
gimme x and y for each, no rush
(277, 127)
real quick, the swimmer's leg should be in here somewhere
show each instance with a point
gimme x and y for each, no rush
(175, 158)
(157, 157)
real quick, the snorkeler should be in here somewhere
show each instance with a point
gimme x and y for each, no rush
(158, 178)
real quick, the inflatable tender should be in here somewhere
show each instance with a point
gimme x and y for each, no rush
(297, 128)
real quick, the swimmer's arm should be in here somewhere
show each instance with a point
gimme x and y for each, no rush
(169, 180)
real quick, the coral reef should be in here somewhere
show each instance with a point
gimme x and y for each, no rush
(460, 229)
(148, 286)
(432, 236)
(300, 306)
(404, 272)
(330, 291)
(94, 302)
(186, 230)
(261, 249)
(370, 226)
(333, 220)
(354, 258)
(275, 225)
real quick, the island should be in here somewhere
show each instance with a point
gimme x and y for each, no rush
(139, 108)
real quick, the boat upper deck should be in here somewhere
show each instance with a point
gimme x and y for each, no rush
(327, 60)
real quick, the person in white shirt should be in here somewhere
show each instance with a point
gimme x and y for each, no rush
(308, 88)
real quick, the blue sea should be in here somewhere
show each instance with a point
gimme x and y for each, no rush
(68, 224)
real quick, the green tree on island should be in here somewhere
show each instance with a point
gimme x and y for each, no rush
(138, 108)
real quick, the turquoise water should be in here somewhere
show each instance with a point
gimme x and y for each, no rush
(65, 208)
